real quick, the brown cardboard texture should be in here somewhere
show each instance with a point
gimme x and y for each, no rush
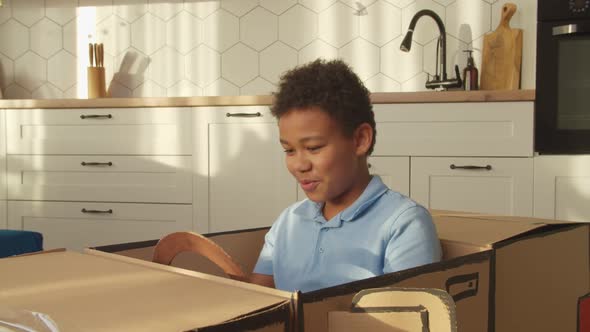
(97, 291)
(393, 309)
(504, 273)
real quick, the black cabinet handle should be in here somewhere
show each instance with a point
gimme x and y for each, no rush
(109, 211)
(369, 164)
(96, 164)
(243, 115)
(96, 116)
(486, 167)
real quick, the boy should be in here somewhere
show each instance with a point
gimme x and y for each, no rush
(351, 226)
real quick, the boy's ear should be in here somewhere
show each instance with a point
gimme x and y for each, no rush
(363, 138)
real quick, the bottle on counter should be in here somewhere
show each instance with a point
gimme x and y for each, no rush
(470, 74)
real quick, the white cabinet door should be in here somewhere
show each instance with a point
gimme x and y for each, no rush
(134, 131)
(562, 187)
(157, 179)
(3, 223)
(241, 180)
(394, 171)
(455, 129)
(79, 225)
(501, 186)
(2, 157)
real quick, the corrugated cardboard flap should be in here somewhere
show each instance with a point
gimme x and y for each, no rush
(116, 293)
(487, 230)
(275, 314)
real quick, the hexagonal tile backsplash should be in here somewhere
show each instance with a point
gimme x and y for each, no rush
(228, 47)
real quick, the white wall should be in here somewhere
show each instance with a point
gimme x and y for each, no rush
(231, 47)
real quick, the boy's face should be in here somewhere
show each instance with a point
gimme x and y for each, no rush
(322, 159)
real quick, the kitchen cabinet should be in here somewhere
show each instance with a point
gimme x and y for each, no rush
(90, 177)
(501, 186)
(394, 171)
(2, 169)
(216, 169)
(240, 177)
(562, 187)
(153, 179)
(77, 225)
(121, 131)
(500, 129)
(241, 181)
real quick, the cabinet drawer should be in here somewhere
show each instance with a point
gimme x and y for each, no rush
(467, 184)
(455, 129)
(159, 179)
(63, 224)
(137, 131)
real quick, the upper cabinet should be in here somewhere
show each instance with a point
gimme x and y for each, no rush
(562, 187)
(455, 129)
(138, 131)
(240, 176)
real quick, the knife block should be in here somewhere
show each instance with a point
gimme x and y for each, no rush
(96, 82)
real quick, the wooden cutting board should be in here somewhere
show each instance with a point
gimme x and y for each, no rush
(502, 55)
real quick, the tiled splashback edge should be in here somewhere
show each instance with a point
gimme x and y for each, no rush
(235, 47)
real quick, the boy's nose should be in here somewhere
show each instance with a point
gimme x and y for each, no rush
(302, 163)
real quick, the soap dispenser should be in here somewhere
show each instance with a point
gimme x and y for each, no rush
(470, 74)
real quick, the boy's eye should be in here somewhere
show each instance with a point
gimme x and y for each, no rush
(315, 148)
(288, 151)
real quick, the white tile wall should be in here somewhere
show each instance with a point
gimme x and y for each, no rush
(231, 47)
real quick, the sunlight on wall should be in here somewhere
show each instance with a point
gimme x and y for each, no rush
(86, 31)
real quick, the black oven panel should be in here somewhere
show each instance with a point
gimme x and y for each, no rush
(579, 6)
(559, 10)
(562, 99)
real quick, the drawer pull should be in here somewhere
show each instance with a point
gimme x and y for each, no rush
(96, 164)
(109, 211)
(486, 167)
(243, 115)
(369, 165)
(96, 116)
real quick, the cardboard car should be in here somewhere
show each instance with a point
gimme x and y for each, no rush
(504, 273)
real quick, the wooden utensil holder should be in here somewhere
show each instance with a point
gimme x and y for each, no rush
(96, 82)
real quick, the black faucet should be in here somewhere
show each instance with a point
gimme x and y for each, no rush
(437, 81)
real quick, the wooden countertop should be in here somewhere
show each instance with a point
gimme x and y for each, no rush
(377, 98)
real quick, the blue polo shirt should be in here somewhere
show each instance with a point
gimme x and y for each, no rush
(382, 231)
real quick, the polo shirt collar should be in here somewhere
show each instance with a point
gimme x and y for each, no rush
(375, 188)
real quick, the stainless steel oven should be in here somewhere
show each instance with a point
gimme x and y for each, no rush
(562, 103)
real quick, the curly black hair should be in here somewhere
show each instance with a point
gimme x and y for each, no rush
(333, 87)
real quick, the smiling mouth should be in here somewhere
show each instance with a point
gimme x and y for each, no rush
(309, 186)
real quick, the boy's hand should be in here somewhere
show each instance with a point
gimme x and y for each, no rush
(262, 280)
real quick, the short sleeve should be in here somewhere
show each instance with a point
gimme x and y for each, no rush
(265, 260)
(414, 241)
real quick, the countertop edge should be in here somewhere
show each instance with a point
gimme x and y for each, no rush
(376, 98)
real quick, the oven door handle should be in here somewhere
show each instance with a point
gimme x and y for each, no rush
(571, 29)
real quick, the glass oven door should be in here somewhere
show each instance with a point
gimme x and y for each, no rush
(562, 107)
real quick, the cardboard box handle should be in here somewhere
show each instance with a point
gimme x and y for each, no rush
(462, 286)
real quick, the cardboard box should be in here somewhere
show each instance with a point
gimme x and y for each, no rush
(504, 273)
(97, 291)
(103, 292)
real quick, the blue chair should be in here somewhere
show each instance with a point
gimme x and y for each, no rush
(13, 242)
